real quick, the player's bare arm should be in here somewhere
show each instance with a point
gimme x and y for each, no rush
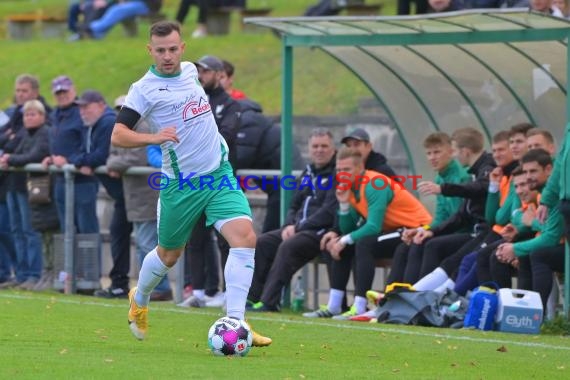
(125, 137)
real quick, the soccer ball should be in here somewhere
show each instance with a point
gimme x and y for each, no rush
(230, 336)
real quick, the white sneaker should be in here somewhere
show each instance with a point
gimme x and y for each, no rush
(193, 301)
(218, 300)
(199, 33)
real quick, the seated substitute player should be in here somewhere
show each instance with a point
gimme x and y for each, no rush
(169, 97)
(370, 203)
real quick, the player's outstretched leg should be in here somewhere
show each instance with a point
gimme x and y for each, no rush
(152, 272)
(238, 273)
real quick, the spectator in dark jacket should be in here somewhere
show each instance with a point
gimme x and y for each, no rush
(32, 148)
(99, 119)
(67, 142)
(280, 253)
(226, 110)
(258, 146)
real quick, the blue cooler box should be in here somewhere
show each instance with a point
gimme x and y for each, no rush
(519, 311)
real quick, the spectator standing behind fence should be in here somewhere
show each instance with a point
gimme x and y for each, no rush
(91, 10)
(140, 201)
(66, 140)
(33, 147)
(27, 87)
(98, 121)
(118, 12)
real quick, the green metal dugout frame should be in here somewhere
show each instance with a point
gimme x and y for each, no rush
(487, 68)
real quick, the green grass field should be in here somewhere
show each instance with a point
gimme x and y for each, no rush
(52, 336)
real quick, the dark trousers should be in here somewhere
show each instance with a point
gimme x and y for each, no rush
(502, 273)
(365, 252)
(399, 263)
(414, 257)
(451, 264)
(543, 263)
(441, 247)
(467, 273)
(184, 8)
(272, 210)
(276, 261)
(120, 230)
(202, 262)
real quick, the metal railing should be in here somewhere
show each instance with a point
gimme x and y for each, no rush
(69, 171)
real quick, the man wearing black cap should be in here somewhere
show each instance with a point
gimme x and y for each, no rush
(359, 140)
(226, 110)
(99, 119)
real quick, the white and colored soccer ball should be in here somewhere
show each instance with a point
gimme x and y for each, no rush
(230, 336)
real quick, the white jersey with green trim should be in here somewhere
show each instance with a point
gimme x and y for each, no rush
(180, 101)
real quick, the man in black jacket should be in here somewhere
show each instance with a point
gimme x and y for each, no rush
(258, 146)
(280, 253)
(226, 110)
(359, 140)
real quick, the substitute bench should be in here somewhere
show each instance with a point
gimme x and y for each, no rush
(383, 264)
(24, 26)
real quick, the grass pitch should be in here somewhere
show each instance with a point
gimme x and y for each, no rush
(53, 336)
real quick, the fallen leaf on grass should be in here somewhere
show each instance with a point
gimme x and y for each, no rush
(301, 376)
(438, 341)
(502, 349)
(560, 367)
(109, 360)
(63, 352)
(396, 370)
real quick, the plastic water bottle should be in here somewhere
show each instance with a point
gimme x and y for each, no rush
(298, 303)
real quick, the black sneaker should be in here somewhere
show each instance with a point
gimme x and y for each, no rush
(112, 293)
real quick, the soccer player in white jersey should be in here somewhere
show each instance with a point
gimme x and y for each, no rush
(170, 98)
